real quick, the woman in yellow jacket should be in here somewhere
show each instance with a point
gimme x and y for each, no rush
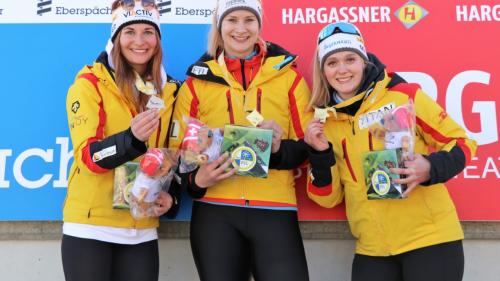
(110, 124)
(415, 238)
(244, 224)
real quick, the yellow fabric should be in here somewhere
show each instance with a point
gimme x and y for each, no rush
(391, 227)
(275, 85)
(89, 197)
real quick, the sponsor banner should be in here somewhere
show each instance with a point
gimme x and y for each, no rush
(35, 149)
(450, 48)
(99, 11)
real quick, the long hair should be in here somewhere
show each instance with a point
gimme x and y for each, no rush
(320, 95)
(125, 76)
(215, 42)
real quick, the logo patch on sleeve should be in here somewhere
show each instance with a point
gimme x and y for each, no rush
(75, 106)
(99, 155)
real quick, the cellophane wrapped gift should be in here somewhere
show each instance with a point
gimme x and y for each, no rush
(397, 129)
(155, 173)
(200, 145)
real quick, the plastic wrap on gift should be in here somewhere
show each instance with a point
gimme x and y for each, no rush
(155, 173)
(397, 129)
(124, 180)
(200, 145)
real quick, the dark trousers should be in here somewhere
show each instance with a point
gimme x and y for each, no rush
(441, 262)
(231, 243)
(87, 259)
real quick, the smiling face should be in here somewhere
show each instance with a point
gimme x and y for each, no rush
(240, 31)
(138, 43)
(344, 72)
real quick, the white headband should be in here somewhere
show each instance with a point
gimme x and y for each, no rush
(341, 42)
(227, 6)
(122, 18)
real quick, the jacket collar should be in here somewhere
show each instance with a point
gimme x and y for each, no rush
(274, 62)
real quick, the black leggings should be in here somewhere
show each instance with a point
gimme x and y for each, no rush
(441, 262)
(87, 259)
(231, 243)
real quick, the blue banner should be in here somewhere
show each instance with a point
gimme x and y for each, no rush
(39, 63)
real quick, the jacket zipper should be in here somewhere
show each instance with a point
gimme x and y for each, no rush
(243, 79)
(348, 162)
(352, 125)
(370, 141)
(230, 107)
(158, 133)
(259, 98)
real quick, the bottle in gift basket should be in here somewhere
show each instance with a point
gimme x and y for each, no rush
(155, 174)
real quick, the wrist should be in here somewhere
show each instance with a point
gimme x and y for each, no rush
(197, 183)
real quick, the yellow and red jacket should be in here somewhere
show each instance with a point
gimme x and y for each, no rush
(99, 121)
(212, 95)
(390, 227)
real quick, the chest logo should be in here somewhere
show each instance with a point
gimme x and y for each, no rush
(199, 70)
(372, 117)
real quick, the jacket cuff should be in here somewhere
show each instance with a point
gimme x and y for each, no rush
(193, 189)
(136, 147)
(321, 163)
(445, 165)
(275, 159)
(432, 174)
(174, 191)
(321, 159)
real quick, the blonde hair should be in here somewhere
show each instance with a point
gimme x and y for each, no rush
(320, 96)
(215, 42)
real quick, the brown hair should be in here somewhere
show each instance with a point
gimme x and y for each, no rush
(125, 75)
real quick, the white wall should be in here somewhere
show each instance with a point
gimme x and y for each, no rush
(329, 259)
